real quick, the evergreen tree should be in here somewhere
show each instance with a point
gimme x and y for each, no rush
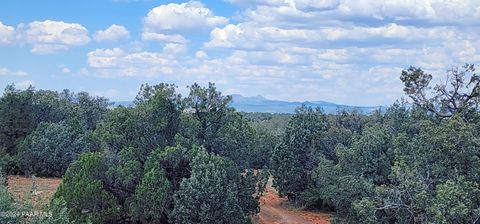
(293, 161)
(152, 198)
(85, 193)
(208, 195)
(49, 149)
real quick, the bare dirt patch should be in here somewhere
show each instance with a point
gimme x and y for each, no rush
(277, 210)
(22, 189)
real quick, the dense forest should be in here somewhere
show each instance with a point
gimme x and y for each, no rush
(194, 159)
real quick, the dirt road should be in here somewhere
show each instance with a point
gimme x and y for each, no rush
(275, 210)
(21, 188)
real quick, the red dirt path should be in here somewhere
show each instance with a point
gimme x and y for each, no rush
(21, 188)
(276, 210)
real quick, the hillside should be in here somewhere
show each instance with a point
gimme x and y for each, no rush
(262, 104)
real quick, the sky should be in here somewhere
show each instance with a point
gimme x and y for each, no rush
(343, 51)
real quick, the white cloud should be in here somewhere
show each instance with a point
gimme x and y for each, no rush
(201, 55)
(251, 36)
(437, 11)
(66, 70)
(336, 50)
(6, 71)
(116, 62)
(302, 4)
(53, 36)
(432, 11)
(7, 34)
(112, 33)
(3, 71)
(20, 73)
(166, 22)
(104, 58)
(24, 84)
(174, 49)
(175, 38)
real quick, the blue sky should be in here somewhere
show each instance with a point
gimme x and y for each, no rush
(343, 51)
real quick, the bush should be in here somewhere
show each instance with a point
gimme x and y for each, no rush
(49, 150)
(85, 193)
(152, 198)
(8, 163)
(209, 195)
(6, 200)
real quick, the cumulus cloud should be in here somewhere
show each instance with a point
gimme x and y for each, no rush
(112, 33)
(7, 34)
(174, 49)
(175, 38)
(337, 50)
(436, 11)
(168, 22)
(117, 62)
(53, 36)
(250, 35)
(302, 4)
(432, 11)
(24, 84)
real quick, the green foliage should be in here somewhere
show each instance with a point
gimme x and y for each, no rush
(6, 201)
(339, 189)
(22, 111)
(15, 117)
(208, 112)
(459, 95)
(123, 173)
(58, 213)
(293, 161)
(209, 195)
(151, 124)
(455, 201)
(405, 165)
(152, 198)
(262, 146)
(370, 156)
(209, 120)
(85, 193)
(49, 149)
(276, 123)
(8, 163)
(289, 177)
(175, 161)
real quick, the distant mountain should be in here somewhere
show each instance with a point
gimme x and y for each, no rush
(262, 104)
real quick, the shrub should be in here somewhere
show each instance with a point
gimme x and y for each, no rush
(49, 150)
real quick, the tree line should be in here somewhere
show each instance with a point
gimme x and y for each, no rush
(167, 159)
(194, 159)
(412, 163)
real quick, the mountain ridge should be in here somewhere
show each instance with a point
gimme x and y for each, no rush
(261, 104)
